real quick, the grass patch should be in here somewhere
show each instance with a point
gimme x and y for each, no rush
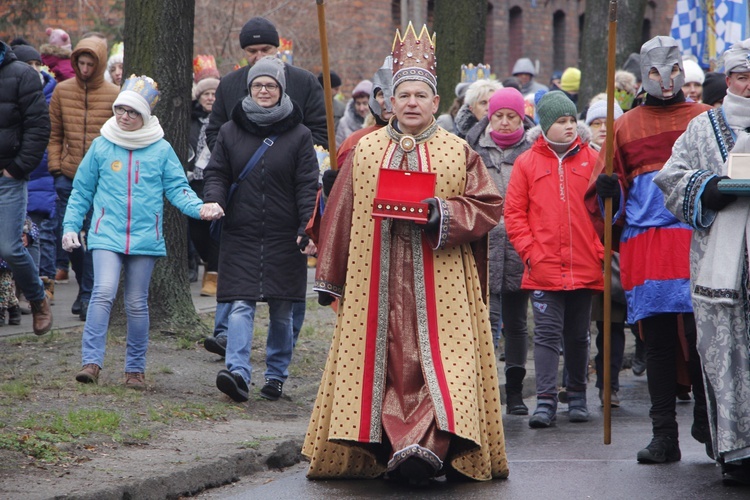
(189, 412)
(166, 370)
(15, 389)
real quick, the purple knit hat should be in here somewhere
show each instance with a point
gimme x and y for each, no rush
(507, 98)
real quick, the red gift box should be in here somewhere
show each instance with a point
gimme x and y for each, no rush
(400, 193)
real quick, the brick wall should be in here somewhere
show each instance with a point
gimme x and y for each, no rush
(361, 31)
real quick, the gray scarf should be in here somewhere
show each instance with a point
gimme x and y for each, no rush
(267, 116)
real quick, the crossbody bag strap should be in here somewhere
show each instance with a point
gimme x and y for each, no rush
(267, 143)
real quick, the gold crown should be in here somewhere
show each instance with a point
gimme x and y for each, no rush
(414, 57)
(204, 66)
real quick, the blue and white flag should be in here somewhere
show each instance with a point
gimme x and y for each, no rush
(707, 28)
(688, 27)
(731, 23)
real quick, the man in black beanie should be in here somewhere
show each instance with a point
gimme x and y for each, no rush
(259, 38)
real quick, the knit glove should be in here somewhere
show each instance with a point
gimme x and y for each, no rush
(70, 241)
(329, 177)
(712, 198)
(433, 216)
(608, 186)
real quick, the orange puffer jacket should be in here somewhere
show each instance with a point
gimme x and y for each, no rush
(547, 221)
(78, 110)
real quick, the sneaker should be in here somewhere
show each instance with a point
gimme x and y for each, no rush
(272, 389)
(660, 450)
(216, 345)
(614, 400)
(135, 380)
(638, 365)
(544, 414)
(233, 385)
(577, 409)
(89, 374)
(61, 276)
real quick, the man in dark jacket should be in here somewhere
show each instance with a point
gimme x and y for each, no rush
(258, 39)
(24, 133)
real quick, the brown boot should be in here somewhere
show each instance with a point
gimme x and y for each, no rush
(209, 284)
(89, 374)
(42, 316)
(49, 289)
(134, 380)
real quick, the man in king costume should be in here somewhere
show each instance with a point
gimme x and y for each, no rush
(410, 387)
(719, 259)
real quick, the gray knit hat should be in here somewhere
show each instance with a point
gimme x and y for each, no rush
(552, 106)
(268, 66)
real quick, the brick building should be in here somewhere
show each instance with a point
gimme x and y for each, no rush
(360, 31)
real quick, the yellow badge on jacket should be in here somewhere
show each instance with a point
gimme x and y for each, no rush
(116, 165)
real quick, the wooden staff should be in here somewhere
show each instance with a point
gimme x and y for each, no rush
(327, 83)
(609, 144)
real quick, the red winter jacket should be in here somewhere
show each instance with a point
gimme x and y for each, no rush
(547, 221)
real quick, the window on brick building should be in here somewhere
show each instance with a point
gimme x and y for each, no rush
(558, 41)
(515, 36)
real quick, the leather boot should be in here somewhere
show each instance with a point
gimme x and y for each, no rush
(514, 404)
(42, 316)
(209, 284)
(49, 289)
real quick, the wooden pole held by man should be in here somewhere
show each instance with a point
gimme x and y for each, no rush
(327, 83)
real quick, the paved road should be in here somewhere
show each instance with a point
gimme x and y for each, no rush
(65, 295)
(567, 461)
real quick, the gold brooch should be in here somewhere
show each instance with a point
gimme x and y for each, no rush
(407, 143)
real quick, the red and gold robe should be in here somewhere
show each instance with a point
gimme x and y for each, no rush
(412, 360)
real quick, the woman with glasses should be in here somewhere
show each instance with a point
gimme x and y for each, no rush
(124, 175)
(263, 247)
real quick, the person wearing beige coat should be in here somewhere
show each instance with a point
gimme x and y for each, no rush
(78, 109)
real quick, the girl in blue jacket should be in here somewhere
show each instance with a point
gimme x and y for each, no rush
(124, 176)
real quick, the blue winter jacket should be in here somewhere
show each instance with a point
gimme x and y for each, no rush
(42, 194)
(126, 189)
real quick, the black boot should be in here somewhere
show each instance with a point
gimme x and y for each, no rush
(14, 315)
(514, 404)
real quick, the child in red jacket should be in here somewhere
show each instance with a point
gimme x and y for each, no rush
(548, 224)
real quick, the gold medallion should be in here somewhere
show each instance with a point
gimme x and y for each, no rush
(407, 143)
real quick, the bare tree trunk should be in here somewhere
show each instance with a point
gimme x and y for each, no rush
(159, 43)
(460, 26)
(630, 15)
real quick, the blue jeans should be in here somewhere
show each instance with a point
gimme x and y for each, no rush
(80, 258)
(45, 259)
(107, 267)
(13, 198)
(222, 315)
(279, 345)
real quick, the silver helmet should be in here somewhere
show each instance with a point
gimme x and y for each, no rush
(382, 80)
(662, 53)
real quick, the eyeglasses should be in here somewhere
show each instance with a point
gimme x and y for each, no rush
(271, 87)
(119, 111)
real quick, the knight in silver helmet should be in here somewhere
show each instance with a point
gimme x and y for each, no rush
(382, 81)
(661, 67)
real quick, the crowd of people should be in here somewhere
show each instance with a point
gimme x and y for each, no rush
(430, 291)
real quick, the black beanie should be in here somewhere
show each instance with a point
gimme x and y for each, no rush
(259, 30)
(26, 53)
(335, 80)
(714, 88)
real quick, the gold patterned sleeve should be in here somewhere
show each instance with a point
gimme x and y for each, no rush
(468, 217)
(335, 231)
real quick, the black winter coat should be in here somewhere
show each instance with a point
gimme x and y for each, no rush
(301, 86)
(259, 258)
(24, 116)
